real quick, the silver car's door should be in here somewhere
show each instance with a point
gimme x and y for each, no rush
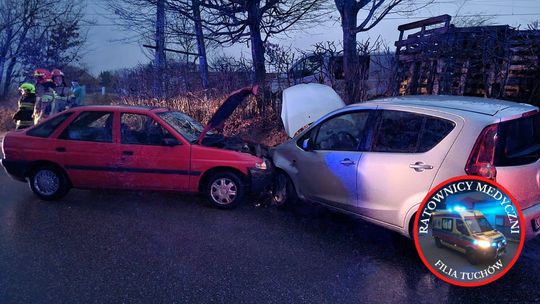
(327, 167)
(406, 151)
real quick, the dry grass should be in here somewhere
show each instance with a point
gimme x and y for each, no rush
(6, 122)
(248, 121)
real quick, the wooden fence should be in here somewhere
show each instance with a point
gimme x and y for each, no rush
(490, 61)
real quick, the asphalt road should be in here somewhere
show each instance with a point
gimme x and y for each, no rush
(121, 247)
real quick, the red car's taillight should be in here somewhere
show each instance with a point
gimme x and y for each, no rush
(481, 160)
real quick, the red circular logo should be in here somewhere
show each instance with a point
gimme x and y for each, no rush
(469, 231)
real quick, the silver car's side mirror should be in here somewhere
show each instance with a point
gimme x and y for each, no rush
(306, 144)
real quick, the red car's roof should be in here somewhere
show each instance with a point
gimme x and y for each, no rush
(118, 108)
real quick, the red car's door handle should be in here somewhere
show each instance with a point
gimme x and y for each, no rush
(60, 149)
(127, 153)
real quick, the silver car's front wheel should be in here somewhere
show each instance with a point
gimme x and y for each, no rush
(48, 182)
(225, 190)
(283, 190)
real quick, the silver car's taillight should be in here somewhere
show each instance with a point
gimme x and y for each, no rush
(482, 158)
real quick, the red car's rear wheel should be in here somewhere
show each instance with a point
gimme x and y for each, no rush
(48, 182)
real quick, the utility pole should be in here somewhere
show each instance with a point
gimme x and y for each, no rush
(201, 47)
(159, 55)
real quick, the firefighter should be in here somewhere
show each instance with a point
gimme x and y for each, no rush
(23, 116)
(44, 81)
(44, 94)
(77, 94)
(60, 100)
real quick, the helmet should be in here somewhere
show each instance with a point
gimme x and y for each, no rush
(28, 87)
(57, 72)
(44, 73)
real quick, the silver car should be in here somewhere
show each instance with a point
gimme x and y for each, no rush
(378, 159)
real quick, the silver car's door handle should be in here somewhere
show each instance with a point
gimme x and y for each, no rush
(347, 162)
(420, 166)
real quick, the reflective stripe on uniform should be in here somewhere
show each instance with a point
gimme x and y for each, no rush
(24, 123)
(26, 105)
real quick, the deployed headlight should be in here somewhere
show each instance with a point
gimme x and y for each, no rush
(483, 244)
(262, 165)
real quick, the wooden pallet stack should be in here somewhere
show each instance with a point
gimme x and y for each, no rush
(490, 61)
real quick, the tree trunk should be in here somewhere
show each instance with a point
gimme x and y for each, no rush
(350, 57)
(257, 45)
(4, 56)
(9, 76)
(201, 47)
(2, 65)
(159, 56)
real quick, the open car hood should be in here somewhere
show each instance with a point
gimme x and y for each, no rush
(235, 143)
(305, 103)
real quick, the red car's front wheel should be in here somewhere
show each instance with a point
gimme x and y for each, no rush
(225, 190)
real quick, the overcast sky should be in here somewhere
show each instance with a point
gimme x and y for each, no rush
(106, 52)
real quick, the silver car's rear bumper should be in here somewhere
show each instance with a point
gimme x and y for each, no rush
(532, 221)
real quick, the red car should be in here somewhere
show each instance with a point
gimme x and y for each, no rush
(136, 148)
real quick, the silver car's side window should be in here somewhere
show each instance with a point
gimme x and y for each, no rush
(406, 132)
(342, 133)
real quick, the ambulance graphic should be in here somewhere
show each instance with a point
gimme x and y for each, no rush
(468, 232)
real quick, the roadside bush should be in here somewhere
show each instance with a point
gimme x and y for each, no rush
(6, 123)
(257, 119)
(249, 121)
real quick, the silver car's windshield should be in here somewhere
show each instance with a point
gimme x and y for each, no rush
(183, 124)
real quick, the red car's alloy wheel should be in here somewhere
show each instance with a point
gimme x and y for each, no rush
(46, 182)
(224, 191)
(49, 182)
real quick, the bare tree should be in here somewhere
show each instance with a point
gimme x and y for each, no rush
(479, 19)
(255, 21)
(192, 10)
(37, 33)
(147, 19)
(184, 26)
(159, 57)
(280, 60)
(374, 11)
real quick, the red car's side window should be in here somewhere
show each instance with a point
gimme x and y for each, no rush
(48, 127)
(138, 129)
(90, 126)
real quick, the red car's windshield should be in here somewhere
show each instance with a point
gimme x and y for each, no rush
(184, 124)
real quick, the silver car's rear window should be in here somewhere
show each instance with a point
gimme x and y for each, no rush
(518, 141)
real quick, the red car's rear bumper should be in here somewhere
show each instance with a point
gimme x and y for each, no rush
(17, 169)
